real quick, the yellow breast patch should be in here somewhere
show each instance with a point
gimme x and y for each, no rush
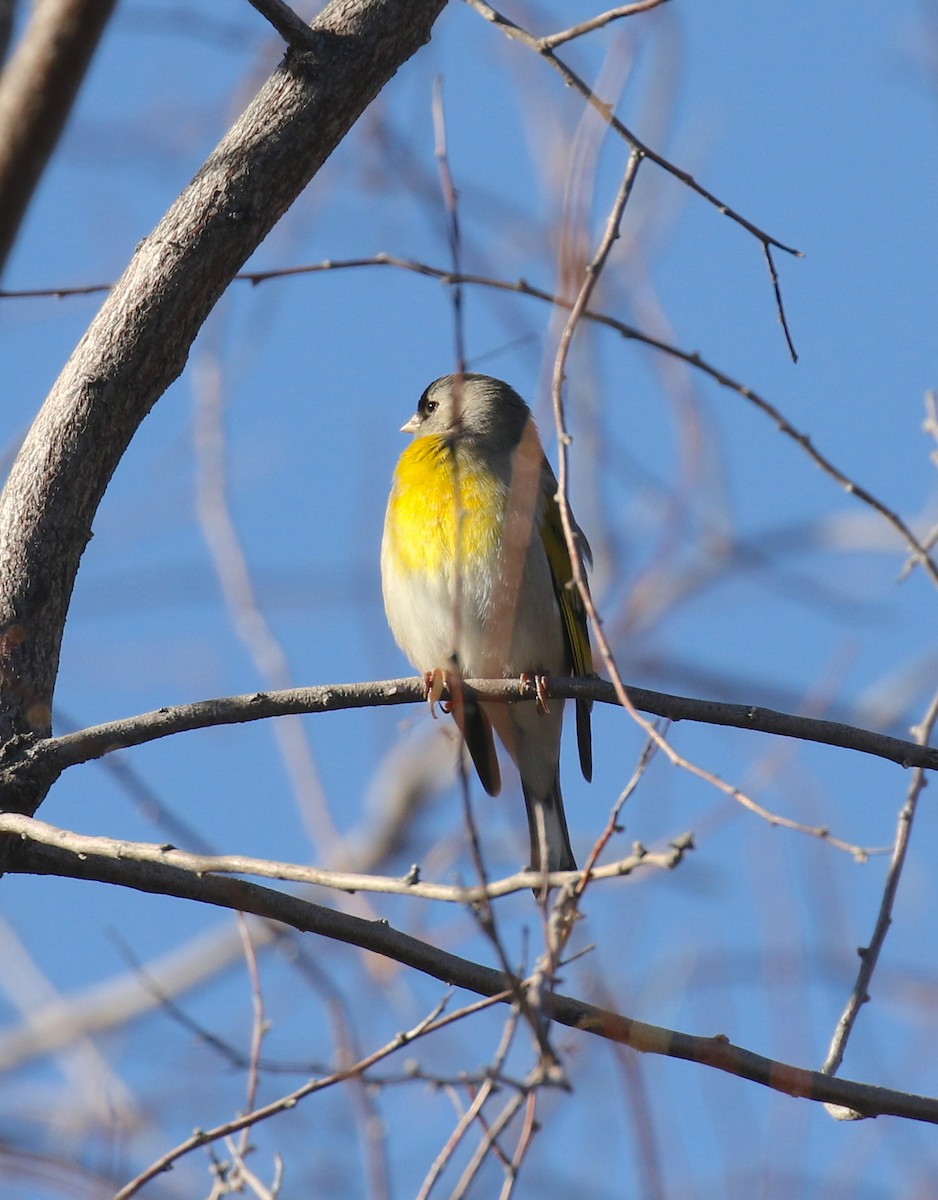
(434, 496)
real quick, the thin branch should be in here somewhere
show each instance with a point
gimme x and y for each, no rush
(553, 40)
(494, 1075)
(544, 47)
(717, 1052)
(779, 302)
(31, 830)
(453, 228)
(47, 758)
(203, 1137)
(140, 339)
(291, 27)
(441, 1161)
(522, 288)
(230, 561)
(573, 80)
(528, 1130)
(259, 1026)
(591, 276)
(612, 825)
(502, 1121)
(869, 955)
(38, 87)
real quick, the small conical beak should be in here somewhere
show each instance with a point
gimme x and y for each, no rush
(412, 425)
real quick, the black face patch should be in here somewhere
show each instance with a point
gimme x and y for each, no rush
(427, 407)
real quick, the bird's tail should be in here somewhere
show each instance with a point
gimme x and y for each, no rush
(547, 825)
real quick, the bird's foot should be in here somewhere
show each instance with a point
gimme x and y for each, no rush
(436, 683)
(541, 689)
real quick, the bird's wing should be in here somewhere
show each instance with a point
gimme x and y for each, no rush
(572, 608)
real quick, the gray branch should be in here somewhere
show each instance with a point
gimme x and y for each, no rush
(139, 341)
(39, 763)
(25, 856)
(38, 87)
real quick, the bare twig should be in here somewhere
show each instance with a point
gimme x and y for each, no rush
(779, 303)
(30, 829)
(441, 1161)
(258, 1025)
(528, 1130)
(291, 27)
(247, 616)
(869, 955)
(716, 1052)
(493, 1075)
(501, 1122)
(579, 306)
(516, 32)
(647, 754)
(553, 40)
(202, 1137)
(523, 288)
(453, 230)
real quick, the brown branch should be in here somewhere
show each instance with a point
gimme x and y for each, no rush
(540, 46)
(202, 1137)
(545, 48)
(42, 761)
(717, 1052)
(493, 1075)
(138, 343)
(552, 40)
(38, 87)
(522, 288)
(291, 27)
(7, 13)
(869, 955)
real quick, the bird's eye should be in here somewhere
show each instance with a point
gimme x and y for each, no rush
(431, 406)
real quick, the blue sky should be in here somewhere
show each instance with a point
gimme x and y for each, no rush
(728, 565)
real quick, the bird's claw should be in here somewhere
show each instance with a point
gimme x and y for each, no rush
(434, 682)
(541, 690)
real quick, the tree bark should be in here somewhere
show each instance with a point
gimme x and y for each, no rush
(139, 341)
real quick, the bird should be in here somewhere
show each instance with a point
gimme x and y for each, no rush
(477, 579)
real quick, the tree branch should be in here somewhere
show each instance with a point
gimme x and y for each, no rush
(29, 829)
(24, 857)
(553, 40)
(291, 27)
(37, 91)
(138, 343)
(39, 763)
(869, 954)
(542, 47)
(521, 287)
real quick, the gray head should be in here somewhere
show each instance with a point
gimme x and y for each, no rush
(471, 406)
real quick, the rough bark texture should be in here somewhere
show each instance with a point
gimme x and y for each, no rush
(139, 341)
